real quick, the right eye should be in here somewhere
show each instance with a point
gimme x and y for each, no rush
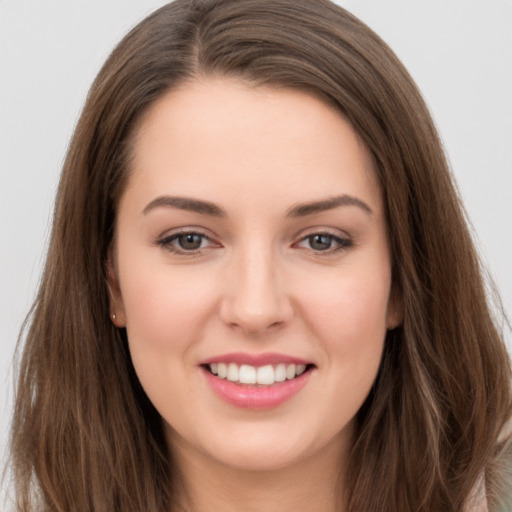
(185, 242)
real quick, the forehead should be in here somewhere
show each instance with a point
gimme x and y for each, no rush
(214, 135)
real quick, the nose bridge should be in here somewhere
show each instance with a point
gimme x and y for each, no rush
(256, 297)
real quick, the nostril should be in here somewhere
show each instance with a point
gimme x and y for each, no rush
(255, 299)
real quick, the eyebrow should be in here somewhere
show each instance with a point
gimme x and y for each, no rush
(185, 203)
(302, 210)
(211, 209)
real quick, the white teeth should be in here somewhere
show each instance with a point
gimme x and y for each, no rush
(262, 375)
(247, 374)
(280, 373)
(265, 375)
(232, 372)
(222, 370)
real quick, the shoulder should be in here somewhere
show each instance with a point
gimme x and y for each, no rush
(479, 498)
(477, 501)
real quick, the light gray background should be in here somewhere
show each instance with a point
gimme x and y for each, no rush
(458, 51)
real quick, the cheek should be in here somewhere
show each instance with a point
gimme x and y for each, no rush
(350, 304)
(166, 310)
(349, 316)
(164, 307)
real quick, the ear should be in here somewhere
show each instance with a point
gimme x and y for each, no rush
(117, 312)
(395, 310)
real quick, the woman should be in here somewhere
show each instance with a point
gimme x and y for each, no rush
(260, 290)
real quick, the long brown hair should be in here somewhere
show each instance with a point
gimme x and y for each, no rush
(85, 436)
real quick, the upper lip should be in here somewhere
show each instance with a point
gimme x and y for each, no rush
(255, 359)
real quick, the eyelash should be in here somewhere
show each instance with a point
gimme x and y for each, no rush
(167, 243)
(341, 243)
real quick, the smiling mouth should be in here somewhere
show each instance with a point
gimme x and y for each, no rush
(261, 376)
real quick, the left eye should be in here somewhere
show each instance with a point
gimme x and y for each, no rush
(323, 242)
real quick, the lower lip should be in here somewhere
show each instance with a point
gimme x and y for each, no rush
(254, 397)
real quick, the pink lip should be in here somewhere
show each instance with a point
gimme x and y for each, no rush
(256, 397)
(255, 359)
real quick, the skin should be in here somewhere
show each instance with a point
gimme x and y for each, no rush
(257, 284)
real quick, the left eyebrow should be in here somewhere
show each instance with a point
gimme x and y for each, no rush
(305, 209)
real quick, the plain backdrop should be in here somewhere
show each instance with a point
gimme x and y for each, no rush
(458, 51)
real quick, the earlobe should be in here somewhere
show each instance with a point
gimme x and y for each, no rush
(117, 313)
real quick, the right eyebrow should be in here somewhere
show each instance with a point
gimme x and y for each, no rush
(185, 203)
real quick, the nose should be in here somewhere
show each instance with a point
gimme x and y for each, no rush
(256, 298)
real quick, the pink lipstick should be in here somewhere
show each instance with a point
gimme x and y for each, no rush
(256, 381)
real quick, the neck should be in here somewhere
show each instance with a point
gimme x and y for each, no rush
(313, 483)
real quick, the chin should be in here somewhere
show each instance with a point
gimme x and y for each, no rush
(260, 459)
(260, 447)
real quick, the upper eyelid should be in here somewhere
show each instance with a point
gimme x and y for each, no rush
(174, 236)
(298, 237)
(341, 240)
(322, 230)
(336, 238)
(170, 233)
(167, 242)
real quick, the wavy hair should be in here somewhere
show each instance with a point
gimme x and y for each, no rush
(85, 436)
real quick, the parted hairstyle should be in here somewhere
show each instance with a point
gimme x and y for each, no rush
(85, 437)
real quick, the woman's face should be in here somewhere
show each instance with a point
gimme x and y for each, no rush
(251, 269)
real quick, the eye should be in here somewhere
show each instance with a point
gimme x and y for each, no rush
(185, 242)
(324, 242)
